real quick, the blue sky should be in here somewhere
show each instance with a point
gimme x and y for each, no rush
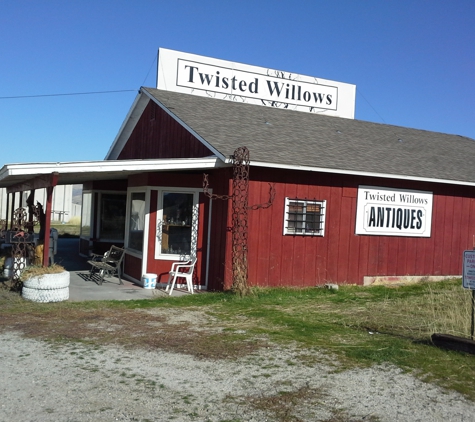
(412, 61)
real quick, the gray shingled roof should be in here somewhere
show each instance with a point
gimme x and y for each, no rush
(293, 138)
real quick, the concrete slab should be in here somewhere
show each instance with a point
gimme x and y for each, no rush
(82, 287)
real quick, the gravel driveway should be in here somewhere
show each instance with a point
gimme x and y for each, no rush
(70, 382)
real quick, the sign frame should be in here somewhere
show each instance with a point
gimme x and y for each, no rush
(468, 273)
(387, 211)
(221, 79)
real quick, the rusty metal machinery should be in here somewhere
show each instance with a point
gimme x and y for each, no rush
(3, 228)
(21, 237)
(240, 209)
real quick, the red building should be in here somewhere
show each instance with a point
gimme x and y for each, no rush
(353, 199)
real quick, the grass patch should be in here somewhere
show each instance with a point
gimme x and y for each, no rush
(355, 326)
(295, 406)
(70, 229)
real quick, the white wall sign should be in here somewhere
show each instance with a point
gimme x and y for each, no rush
(205, 76)
(393, 212)
(468, 279)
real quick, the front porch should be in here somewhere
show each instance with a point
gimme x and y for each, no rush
(83, 288)
(164, 216)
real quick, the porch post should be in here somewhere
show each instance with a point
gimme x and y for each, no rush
(49, 197)
(6, 211)
(30, 202)
(12, 210)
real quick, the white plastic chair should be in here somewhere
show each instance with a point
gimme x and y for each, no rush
(184, 270)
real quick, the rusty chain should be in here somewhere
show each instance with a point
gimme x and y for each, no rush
(240, 208)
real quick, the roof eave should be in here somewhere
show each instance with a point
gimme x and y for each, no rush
(360, 173)
(128, 125)
(12, 174)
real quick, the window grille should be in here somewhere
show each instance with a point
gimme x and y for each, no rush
(304, 217)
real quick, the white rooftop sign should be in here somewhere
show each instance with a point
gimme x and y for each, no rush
(205, 76)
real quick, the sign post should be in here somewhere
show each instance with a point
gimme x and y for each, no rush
(468, 281)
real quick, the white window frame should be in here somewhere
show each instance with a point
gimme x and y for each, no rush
(194, 224)
(139, 254)
(288, 231)
(91, 213)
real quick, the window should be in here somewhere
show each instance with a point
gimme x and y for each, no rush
(177, 227)
(136, 221)
(177, 218)
(303, 217)
(112, 225)
(86, 214)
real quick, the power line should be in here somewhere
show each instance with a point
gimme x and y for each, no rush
(70, 93)
(150, 68)
(359, 92)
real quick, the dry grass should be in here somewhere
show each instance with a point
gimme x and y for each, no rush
(446, 310)
(282, 405)
(74, 221)
(450, 311)
(130, 328)
(38, 270)
(68, 229)
(291, 406)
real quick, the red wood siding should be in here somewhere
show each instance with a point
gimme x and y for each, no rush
(106, 185)
(341, 256)
(162, 267)
(219, 183)
(157, 135)
(220, 264)
(133, 266)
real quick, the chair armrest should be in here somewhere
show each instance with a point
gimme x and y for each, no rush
(111, 263)
(181, 267)
(175, 266)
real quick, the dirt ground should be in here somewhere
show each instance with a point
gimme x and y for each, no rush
(179, 375)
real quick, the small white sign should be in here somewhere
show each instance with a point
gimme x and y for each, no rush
(205, 76)
(468, 279)
(393, 212)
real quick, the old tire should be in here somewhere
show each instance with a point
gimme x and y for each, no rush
(48, 281)
(44, 296)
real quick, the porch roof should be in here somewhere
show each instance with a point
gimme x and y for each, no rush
(18, 177)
